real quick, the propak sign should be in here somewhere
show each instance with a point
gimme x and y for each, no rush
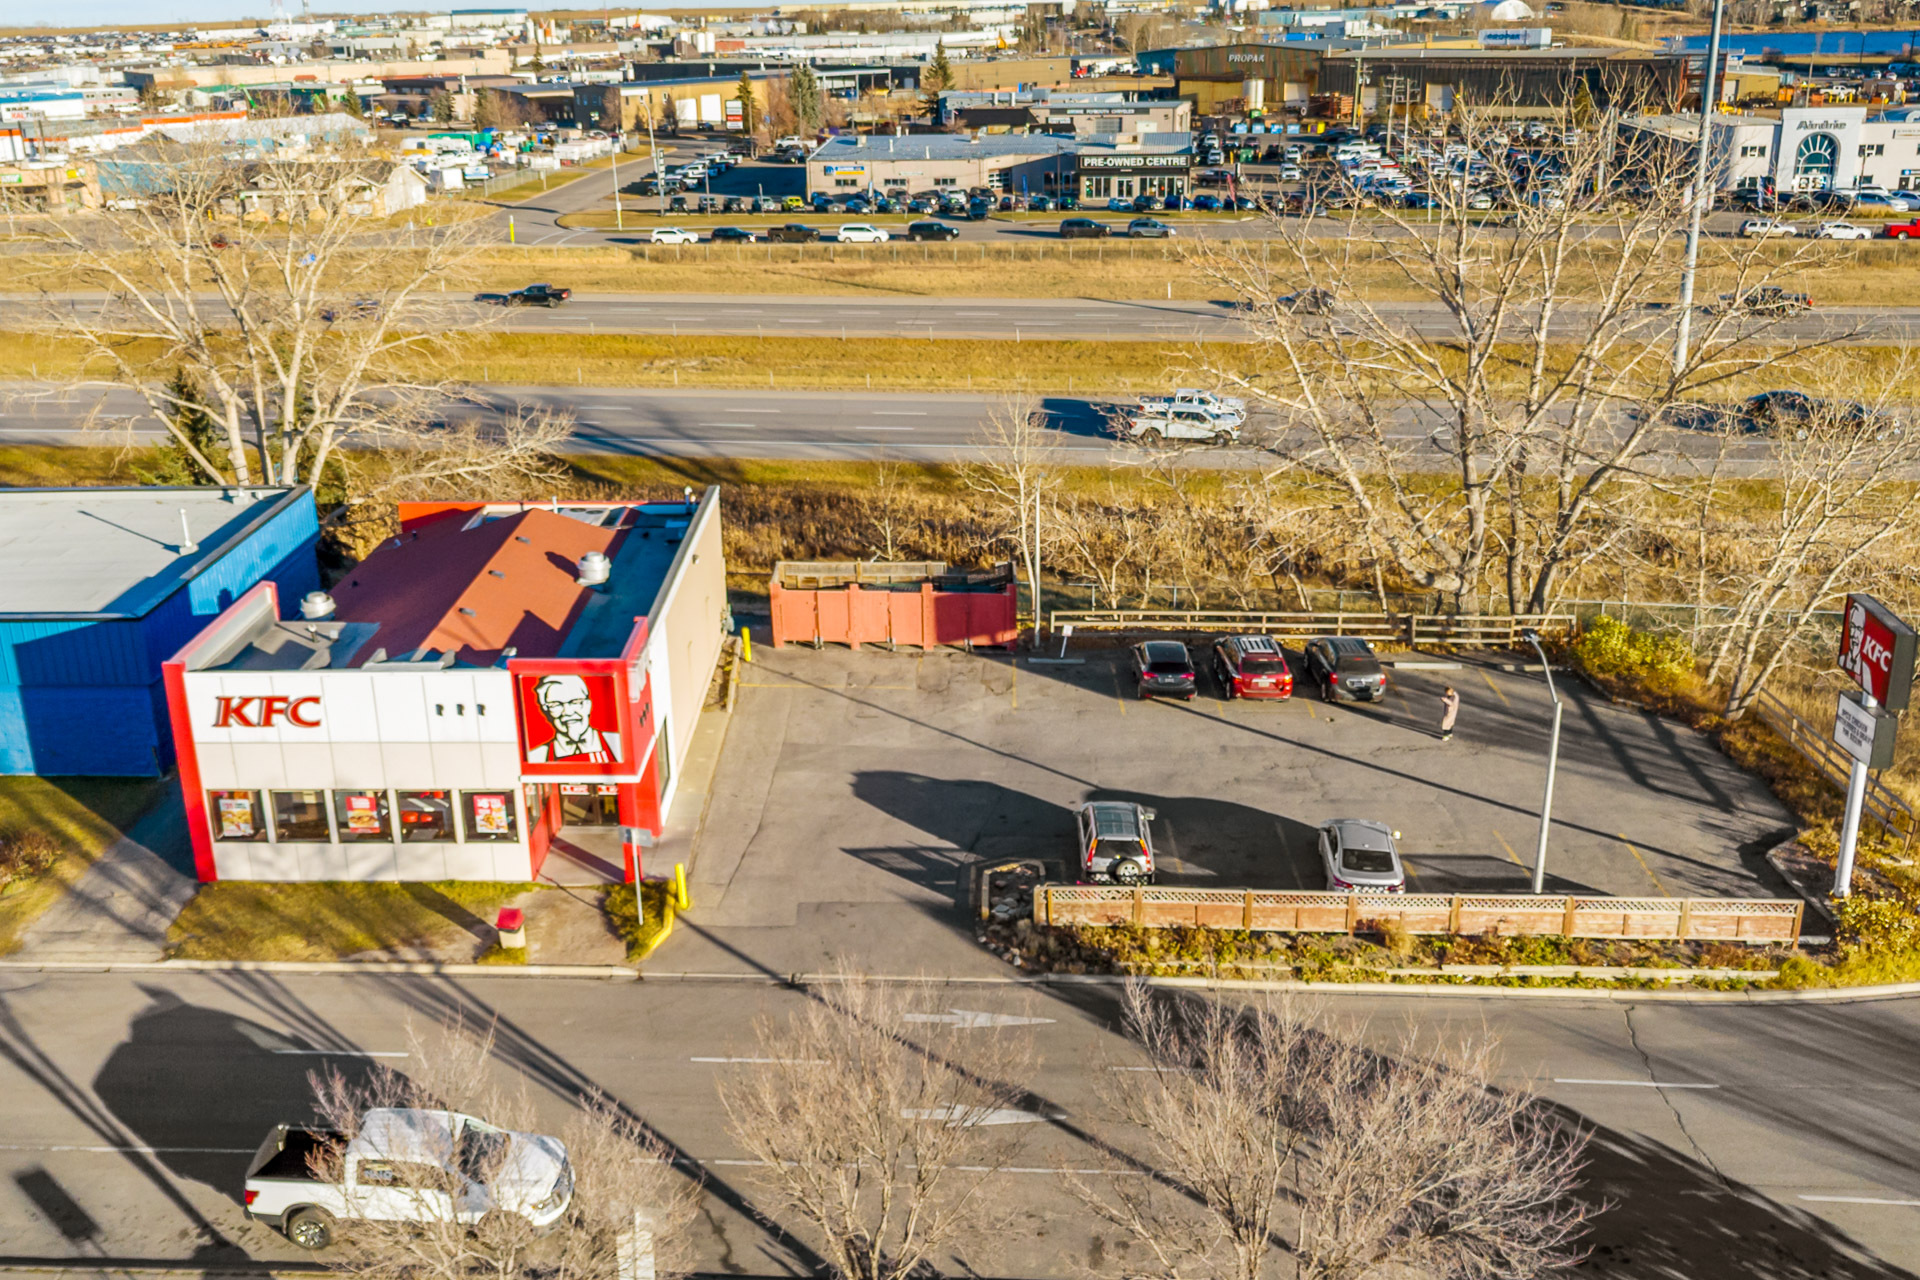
(1877, 650)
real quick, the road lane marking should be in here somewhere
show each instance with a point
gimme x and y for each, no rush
(883, 428)
(1633, 1084)
(1503, 841)
(1844, 1200)
(1657, 886)
(1496, 689)
(737, 409)
(729, 424)
(899, 413)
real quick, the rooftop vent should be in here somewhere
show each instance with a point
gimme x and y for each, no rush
(595, 569)
(316, 605)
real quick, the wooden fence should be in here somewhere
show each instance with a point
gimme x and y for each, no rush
(1503, 914)
(1413, 630)
(1833, 763)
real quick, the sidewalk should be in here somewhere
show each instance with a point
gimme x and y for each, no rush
(121, 908)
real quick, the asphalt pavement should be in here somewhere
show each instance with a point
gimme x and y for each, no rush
(1733, 1143)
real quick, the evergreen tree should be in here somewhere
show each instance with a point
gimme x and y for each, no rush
(803, 92)
(440, 107)
(935, 80)
(352, 105)
(172, 464)
(486, 110)
(749, 105)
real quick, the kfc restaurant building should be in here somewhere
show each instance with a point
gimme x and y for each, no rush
(503, 692)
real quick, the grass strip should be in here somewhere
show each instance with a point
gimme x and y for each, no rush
(83, 816)
(251, 920)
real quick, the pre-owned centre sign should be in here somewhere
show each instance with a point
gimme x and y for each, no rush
(1877, 650)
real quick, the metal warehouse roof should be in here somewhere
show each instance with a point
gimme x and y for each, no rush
(951, 146)
(116, 552)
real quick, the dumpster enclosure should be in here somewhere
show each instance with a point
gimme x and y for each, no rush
(919, 603)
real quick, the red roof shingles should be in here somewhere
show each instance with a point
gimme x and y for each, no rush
(505, 582)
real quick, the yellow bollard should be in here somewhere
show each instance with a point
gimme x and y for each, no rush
(746, 644)
(680, 899)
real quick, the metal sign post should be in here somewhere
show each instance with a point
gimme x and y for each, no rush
(1877, 650)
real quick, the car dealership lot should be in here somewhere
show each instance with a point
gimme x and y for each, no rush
(856, 788)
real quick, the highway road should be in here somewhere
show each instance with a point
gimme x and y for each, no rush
(1737, 1143)
(1016, 319)
(805, 425)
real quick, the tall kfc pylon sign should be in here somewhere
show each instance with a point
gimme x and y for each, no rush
(1877, 652)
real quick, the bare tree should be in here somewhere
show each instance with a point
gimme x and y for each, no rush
(885, 504)
(625, 1192)
(271, 290)
(1017, 471)
(1836, 485)
(879, 1123)
(1485, 389)
(1283, 1138)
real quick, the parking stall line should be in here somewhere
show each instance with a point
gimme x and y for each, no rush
(1496, 689)
(1511, 855)
(1657, 886)
(1118, 696)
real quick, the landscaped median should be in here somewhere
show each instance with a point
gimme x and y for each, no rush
(1499, 939)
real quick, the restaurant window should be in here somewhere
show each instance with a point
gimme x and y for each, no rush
(489, 815)
(1096, 186)
(425, 816)
(362, 815)
(236, 815)
(300, 817)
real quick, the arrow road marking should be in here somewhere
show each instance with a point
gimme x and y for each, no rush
(972, 1019)
(957, 1115)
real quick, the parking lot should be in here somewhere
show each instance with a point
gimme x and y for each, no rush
(855, 788)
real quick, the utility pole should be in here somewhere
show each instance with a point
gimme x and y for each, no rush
(1697, 194)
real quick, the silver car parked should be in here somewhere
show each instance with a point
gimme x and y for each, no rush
(1361, 857)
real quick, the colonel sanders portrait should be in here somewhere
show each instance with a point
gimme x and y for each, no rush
(568, 706)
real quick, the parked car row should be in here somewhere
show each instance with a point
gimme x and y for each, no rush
(800, 233)
(1341, 668)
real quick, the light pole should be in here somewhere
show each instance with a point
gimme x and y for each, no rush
(1532, 637)
(1697, 195)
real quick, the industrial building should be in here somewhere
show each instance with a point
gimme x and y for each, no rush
(1509, 82)
(99, 586)
(1236, 78)
(499, 685)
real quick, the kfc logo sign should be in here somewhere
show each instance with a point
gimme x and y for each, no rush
(254, 712)
(1877, 650)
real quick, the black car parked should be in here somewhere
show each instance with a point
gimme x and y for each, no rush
(1345, 667)
(1083, 229)
(932, 231)
(1163, 667)
(793, 233)
(731, 235)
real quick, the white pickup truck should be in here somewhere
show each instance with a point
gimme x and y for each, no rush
(405, 1165)
(1188, 398)
(1183, 422)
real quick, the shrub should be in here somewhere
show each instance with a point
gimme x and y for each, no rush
(26, 854)
(1609, 648)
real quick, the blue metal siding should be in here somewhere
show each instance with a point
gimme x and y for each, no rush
(103, 731)
(85, 697)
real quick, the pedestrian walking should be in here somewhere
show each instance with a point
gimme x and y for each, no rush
(1449, 712)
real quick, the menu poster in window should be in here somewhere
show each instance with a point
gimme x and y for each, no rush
(363, 815)
(237, 821)
(571, 723)
(490, 817)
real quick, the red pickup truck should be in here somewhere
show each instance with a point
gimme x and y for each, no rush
(1903, 230)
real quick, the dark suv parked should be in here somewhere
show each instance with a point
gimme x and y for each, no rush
(1345, 667)
(1163, 667)
(932, 231)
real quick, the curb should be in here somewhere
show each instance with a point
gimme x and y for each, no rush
(418, 968)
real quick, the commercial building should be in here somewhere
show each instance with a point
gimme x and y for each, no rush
(1092, 166)
(49, 186)
(98, 586)
(1804, 149)
(498, 685)
(1234, 78)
